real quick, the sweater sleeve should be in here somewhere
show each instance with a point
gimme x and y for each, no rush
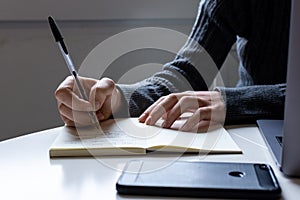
(250, 103)
(195, 65)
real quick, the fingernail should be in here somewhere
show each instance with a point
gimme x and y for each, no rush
(142, 117)
(165, 124)
(148, 120)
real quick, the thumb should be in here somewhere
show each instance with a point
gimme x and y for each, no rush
(100, 92)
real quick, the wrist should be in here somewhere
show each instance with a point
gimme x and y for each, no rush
(116, 101)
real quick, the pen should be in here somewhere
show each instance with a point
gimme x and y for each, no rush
(63, 49)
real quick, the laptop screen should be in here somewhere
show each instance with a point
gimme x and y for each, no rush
(291, 138)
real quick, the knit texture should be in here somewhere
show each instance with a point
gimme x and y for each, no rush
(260, 29)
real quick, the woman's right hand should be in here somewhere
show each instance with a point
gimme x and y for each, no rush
(104, 99)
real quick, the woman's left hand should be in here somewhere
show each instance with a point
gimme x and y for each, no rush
(207, 107)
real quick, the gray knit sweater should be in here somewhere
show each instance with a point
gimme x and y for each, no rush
(260, 29)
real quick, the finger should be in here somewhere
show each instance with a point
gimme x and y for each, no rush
(218, 112)
(176, 97)
(106, 110)
(186, 103)
(165, 116)
(65, 111)
(205, 126)
(67, 121)
(161, 108)
(203, 113)
(77, 117)
(146, 113)
(172, 116)
(101, 97)
(67, 83)
(100, 91)
(71, 100)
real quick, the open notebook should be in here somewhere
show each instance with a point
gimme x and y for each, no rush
(129, 137)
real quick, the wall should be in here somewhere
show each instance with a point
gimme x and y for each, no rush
(32, 67)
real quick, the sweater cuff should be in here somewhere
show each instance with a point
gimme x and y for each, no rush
(250, 103)
(126, 92)
(228, 96)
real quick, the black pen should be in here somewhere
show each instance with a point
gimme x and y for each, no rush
(63, 49)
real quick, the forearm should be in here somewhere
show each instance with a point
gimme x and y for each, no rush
(139, 96)
(196, 64)
(247, 104)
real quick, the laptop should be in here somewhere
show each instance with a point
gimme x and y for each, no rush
(283, 136)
